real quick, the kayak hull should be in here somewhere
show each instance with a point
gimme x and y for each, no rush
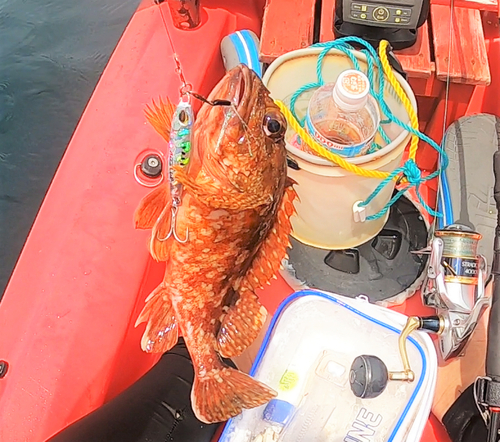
(67, 316)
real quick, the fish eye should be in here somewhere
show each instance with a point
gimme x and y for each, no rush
(183, 117)
(274, 126)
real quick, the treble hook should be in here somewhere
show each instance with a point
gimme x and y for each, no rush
(173, 228)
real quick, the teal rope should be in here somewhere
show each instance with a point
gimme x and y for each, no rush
(347, 50)
(409, 169)
(414, 177)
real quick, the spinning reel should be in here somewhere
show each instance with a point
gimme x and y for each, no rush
(454, 286)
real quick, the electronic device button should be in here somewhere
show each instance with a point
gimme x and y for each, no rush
(381, 14)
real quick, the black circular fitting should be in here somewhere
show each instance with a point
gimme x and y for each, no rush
(368, 376)
(152, 166)
(4, 367)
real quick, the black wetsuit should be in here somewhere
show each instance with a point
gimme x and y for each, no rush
(157, 408)
(463, 422)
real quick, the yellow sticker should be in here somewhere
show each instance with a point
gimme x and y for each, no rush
(288, 381)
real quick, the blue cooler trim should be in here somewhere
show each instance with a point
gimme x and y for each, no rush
(320, 294)
(247, 50)
(444, 201)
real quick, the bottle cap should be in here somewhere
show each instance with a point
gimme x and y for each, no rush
(278, 411)
(351, 90)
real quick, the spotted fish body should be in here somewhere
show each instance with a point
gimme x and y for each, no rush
(236, 208)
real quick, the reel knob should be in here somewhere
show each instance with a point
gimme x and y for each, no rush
(368, 376)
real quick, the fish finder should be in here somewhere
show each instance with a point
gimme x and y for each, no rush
(391, 20)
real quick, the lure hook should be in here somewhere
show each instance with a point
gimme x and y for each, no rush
(216, 102)
(173, 228)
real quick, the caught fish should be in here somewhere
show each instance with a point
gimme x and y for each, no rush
(236, 207)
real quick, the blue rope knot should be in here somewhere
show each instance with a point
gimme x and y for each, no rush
(412, 172)
(414, 176)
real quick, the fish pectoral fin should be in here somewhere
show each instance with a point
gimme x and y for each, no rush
(268, 259)
(224, 393)
(241, 325)
(212, 196)
(151, 207)
(161, 332)
(160, 117)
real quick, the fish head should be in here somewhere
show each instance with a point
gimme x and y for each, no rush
(241, 146)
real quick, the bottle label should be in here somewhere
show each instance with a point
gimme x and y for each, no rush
(346, 151)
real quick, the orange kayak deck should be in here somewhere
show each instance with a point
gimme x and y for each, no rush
(67, 316)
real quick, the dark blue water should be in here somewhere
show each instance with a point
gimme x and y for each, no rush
(52, 53)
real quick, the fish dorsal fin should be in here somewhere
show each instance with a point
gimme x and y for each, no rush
(154, 211)
(268, 259)
(151, 207)
(160, 117)
(161, 332)
(244, 320)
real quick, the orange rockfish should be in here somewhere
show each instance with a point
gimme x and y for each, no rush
(236, 207)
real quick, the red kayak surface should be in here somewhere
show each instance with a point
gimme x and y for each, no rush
(67, 317)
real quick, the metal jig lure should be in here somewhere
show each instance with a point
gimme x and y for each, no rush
(180, 138)
(179, 155)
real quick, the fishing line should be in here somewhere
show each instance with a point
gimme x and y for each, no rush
(247, 129)
(440, 192)
(185, 87)
(227, 117)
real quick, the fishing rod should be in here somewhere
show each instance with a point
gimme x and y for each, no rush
(487, 389)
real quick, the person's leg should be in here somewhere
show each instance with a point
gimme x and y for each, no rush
(157, 408)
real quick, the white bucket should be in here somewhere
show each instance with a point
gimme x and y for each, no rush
(327, 192)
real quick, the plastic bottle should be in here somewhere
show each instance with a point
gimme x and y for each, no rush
(343, 116)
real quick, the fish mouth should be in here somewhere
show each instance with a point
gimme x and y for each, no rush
(241, 80)
(222, 128)
(237, 89)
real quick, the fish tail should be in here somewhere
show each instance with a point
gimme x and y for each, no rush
(224, 392)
